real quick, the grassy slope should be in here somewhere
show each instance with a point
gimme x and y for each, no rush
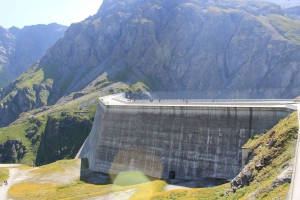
(32, 76)
(72, 121)
(44, 75)
(281, 155)
(18, 132)
(289, 28)
(78, 189)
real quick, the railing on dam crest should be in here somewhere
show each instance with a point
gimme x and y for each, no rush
(122, 99)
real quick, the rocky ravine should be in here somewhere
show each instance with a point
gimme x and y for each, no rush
(217, 49)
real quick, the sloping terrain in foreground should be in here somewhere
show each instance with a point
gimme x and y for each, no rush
(268, 172)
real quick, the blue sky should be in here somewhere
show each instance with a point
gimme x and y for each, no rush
(21, 13)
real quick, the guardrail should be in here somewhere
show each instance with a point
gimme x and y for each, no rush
(120, 97)
(173, 101)
(210, 100)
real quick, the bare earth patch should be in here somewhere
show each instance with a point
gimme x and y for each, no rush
(65, 176)
(123, 195)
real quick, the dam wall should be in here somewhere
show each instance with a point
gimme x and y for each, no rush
(184, 142)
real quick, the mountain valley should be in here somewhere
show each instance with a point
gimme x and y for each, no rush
(204, 49)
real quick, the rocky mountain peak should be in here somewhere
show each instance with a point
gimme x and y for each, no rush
(215, 48)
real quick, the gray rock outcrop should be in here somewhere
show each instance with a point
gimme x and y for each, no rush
(12, 151)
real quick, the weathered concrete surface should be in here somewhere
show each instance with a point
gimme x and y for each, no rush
(194, 142)
(245, 155)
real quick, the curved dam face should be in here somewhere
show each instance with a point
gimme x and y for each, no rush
(184, 142)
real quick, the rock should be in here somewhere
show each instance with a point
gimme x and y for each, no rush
(284, 177)
(78, 94)
(262, 162)
(271, 142)
(12, 151)
(243, 178)
(62, 137)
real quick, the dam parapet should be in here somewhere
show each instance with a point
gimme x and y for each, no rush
(179, 140)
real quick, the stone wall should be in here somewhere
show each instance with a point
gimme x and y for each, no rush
(192, 141)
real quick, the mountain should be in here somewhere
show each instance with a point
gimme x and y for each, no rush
(285, 3)
(293, 12)
(20, 48)
(214, 49)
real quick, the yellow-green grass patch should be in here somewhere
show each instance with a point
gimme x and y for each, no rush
(4, 174)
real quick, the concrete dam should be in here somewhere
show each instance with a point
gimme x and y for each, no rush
(181, 140)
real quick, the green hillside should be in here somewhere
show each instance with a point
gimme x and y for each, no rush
(290, 29)
(49, 134)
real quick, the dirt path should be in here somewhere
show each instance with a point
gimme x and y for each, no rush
(16, 175)
(13, 172)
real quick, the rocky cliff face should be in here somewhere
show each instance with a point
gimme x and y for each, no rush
(23, 100)
(216, 49)
(20, 48)
(12, 151)
(6, 46)
(62, 137)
